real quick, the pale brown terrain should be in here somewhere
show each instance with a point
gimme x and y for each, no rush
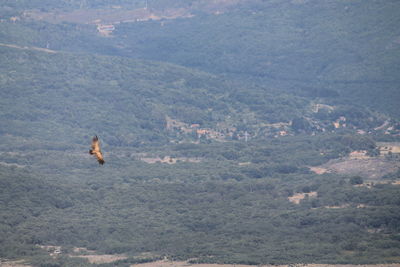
(296, 198)
(370, 168)
(165, 263)
(99, 259)
(319, 170)
(94, 258)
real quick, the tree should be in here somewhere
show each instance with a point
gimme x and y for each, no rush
(355, 180)
(300, 124)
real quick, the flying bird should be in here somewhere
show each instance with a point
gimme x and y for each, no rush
(96, 150)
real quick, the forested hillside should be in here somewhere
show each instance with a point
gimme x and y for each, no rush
(341, 50)
(77, 94)
(243, 132)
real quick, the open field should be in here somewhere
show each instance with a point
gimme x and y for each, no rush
(296, 198)
(186, 264)
(369, 168)
(99, 259)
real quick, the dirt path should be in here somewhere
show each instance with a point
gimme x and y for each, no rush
(29, 48)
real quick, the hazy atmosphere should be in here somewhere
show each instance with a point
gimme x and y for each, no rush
(202, 133)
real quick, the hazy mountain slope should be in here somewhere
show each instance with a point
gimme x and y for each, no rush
(55, 96)
(351, 48)
(347, 49)
(242, 108)
(64, 96)
(231, 205)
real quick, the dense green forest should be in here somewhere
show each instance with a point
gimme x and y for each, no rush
(240, 100)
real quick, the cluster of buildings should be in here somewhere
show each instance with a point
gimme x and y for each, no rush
(220, 135)
(105, 29)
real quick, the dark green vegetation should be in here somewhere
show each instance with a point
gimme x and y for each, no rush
(247, 222)
(279, 72)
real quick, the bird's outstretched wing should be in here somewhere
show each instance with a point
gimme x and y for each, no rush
(96, 150)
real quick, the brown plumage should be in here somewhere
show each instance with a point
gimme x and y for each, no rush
(96, 150)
